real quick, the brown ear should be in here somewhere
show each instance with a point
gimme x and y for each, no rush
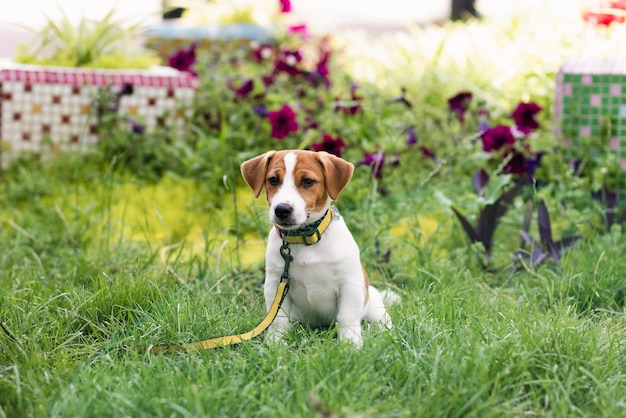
(337, 173)
(254, 170)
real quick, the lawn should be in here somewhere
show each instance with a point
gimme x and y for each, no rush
(149, 239)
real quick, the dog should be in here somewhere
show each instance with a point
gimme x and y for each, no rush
(327, 283)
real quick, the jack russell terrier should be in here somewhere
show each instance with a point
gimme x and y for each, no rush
(327, 283)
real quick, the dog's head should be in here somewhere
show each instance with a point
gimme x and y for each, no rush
(299, 185)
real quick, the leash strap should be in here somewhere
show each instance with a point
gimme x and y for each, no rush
(226, 340)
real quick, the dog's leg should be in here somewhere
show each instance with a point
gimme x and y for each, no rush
(350, 315)
(376, 311)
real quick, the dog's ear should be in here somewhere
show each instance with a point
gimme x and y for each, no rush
(254, 170)
(337, 173)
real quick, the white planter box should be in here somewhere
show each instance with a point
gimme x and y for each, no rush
(53, 108)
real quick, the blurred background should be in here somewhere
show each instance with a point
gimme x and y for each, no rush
(374, 16)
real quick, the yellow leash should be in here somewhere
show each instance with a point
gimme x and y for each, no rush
(226, 340)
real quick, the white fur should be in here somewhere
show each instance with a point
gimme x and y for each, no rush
(327, 283)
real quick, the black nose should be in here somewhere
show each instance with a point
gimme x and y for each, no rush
(283, 210)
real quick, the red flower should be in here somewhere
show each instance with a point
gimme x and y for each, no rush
(497, 137)
(330, 145)
(184, 59)
(524, 117)
(606, 13)
(459, 104)
(516, 164)
(428, 153)
(283, 122)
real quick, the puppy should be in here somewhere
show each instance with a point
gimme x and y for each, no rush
(327, 283)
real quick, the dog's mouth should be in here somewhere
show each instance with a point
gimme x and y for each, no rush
(287, 225)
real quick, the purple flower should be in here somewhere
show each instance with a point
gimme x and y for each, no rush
(459, 104)
(524, 117)
(261, 110)
(244, 90)
(376, 161)
(522, 164)
(184, 59)
(287, 61)
(330, 145)
(483, 125)
(321, 74)
(136, 127)
(516, 164)
(268, 80)
(428, 153)
(283, 122)
(481, 179)
(411, 136)
(352, 106)
(311, 123)
(497, 137)
(532, 164)
(262, 52)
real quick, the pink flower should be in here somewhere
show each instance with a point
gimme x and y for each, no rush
(283, 122)
(497, 137)
(330, 145)
(299, 29)
(285, 6)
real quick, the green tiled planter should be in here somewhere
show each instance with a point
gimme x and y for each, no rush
(590, 104)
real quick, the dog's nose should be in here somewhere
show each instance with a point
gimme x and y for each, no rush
(283, 210)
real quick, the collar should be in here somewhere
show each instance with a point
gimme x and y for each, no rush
(309, 234)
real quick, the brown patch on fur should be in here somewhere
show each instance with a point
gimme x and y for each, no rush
(330, 173)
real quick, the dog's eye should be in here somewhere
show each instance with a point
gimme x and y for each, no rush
(308, 182)
(273, 181)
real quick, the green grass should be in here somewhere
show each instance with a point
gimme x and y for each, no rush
(98, 252)
(547, 341)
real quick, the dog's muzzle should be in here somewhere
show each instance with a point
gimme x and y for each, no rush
(283, 211)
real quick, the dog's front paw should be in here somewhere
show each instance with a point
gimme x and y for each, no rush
(351, 334)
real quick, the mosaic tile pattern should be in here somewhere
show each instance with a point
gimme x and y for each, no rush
(590, 104)
(52, 109)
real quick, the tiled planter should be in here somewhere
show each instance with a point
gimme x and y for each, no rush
(590, 103)
(45, 107)
(167, 38)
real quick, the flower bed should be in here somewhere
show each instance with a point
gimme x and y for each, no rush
(49, 107)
